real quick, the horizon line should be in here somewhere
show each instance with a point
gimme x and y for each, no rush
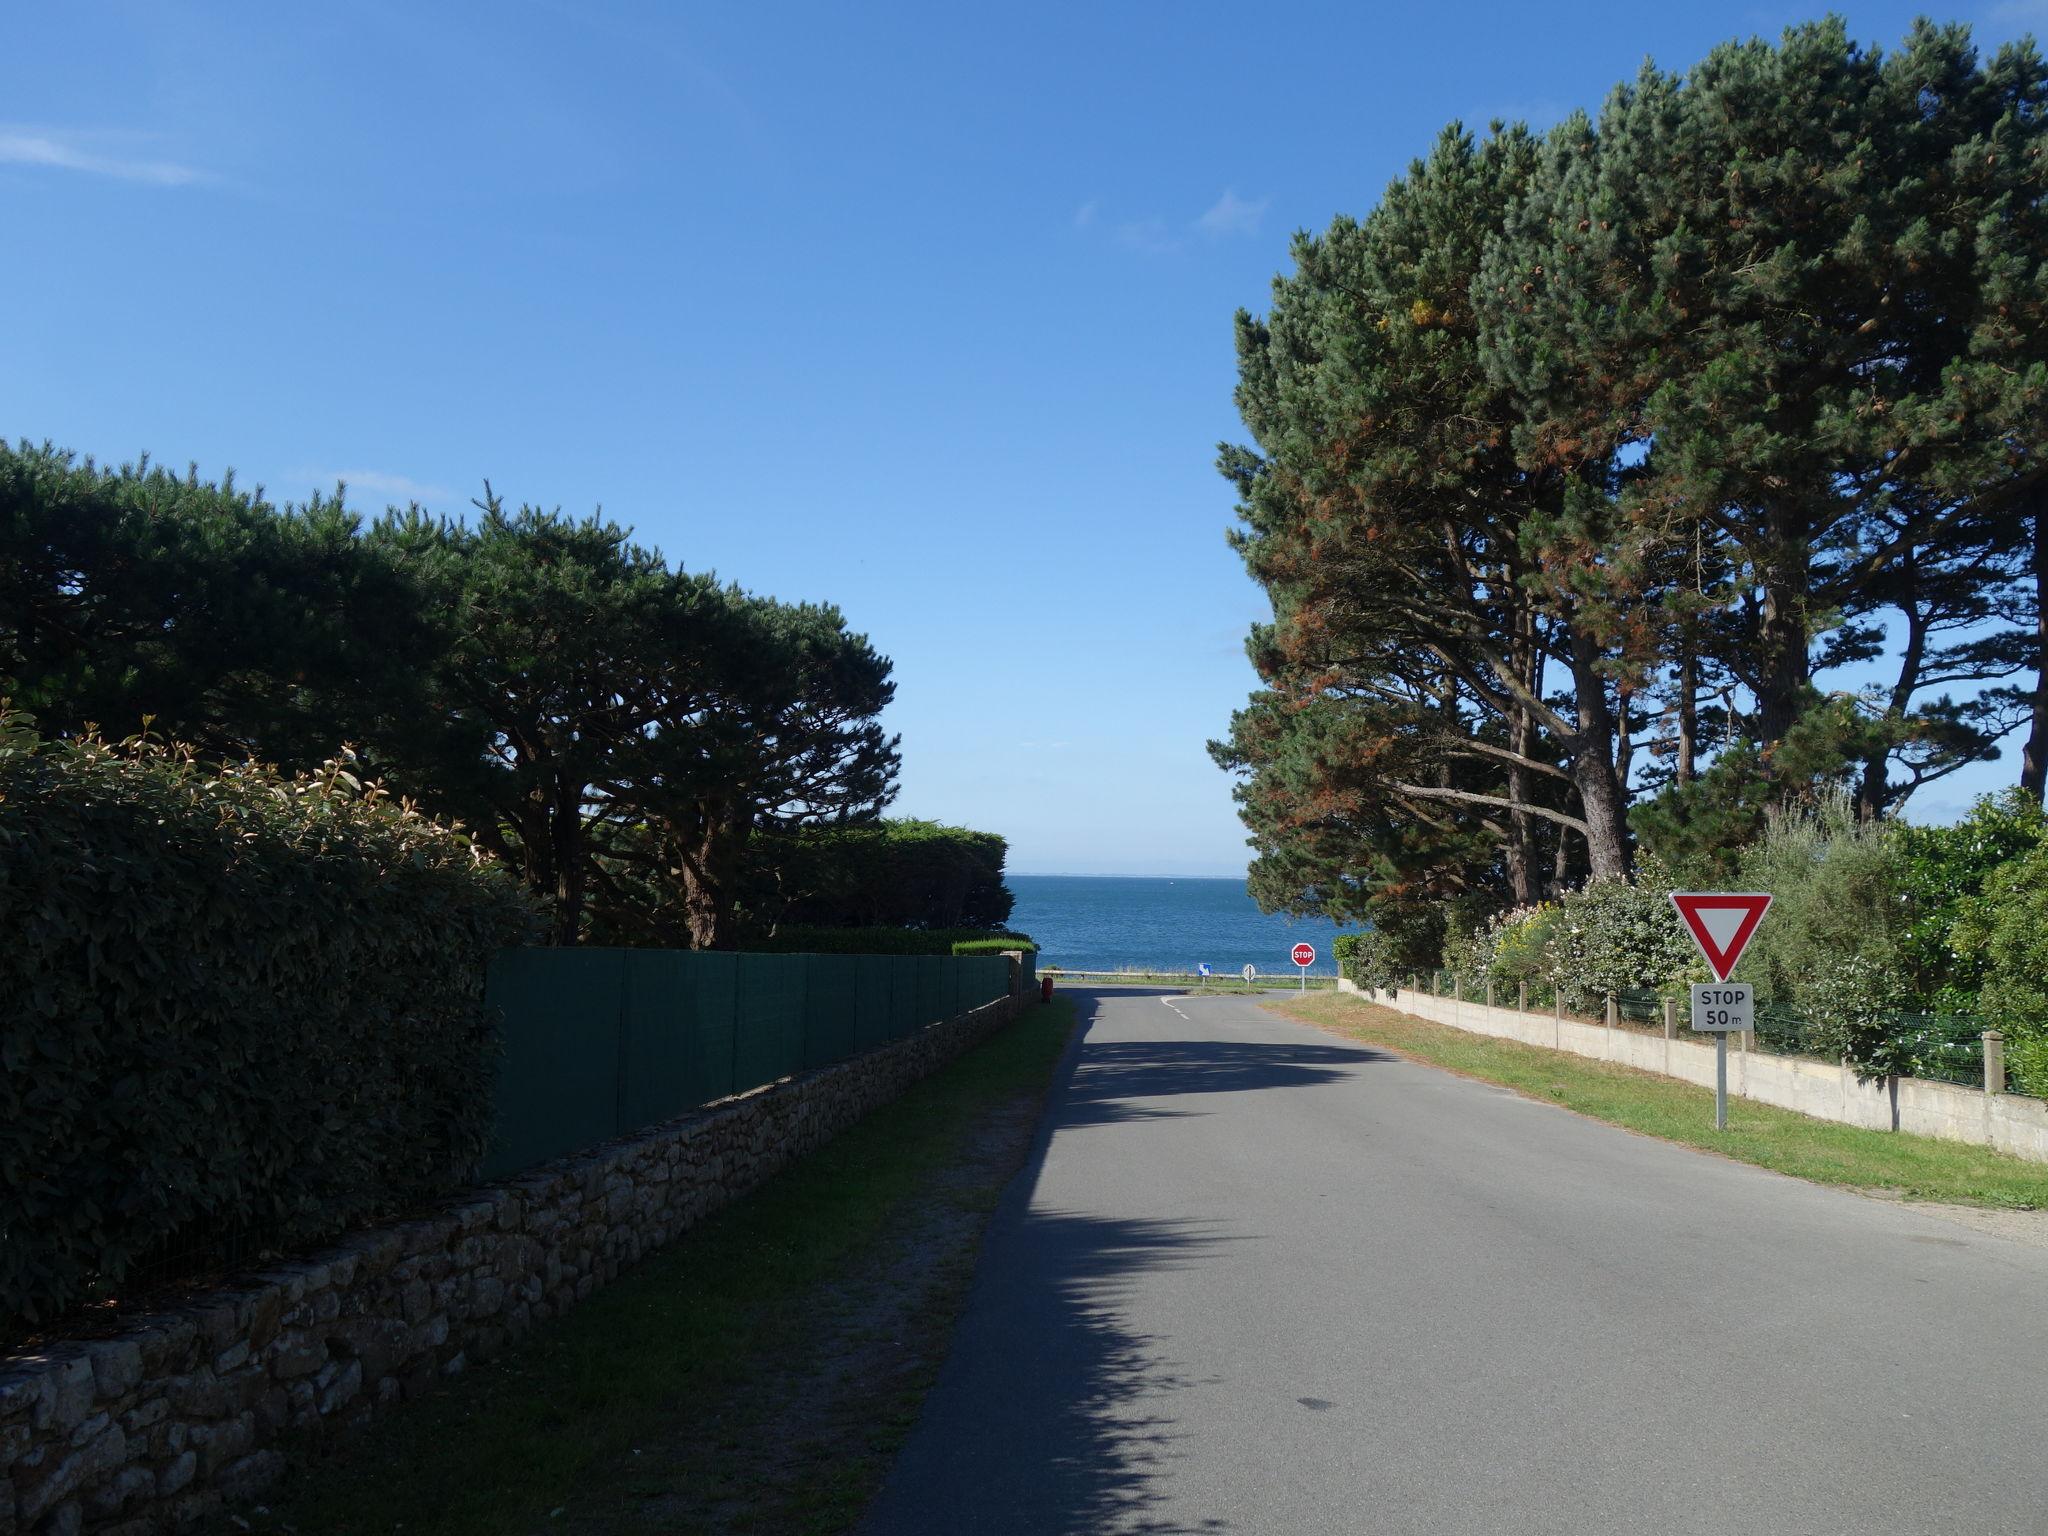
(1084, 874)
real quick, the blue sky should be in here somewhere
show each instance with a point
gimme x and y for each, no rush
(924, 310)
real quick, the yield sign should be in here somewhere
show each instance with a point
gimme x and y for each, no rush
(1721, 923)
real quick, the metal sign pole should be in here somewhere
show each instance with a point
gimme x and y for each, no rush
(1722, 924)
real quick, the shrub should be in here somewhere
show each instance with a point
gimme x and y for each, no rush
(2026, 1060)
(1852, 1013)
(1509, 948)
(1469, 956)
(993, 946)
(1521, 943)
(1836, 889)
(888, 873)
(2006, 932)
(1704, 829)
(1616, 936)
(236, 1002)
(1369, 959)
(1944, 872)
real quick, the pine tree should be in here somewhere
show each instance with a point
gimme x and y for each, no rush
(1779, 276)
(1411, 558)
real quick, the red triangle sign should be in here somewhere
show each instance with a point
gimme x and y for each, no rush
(1721, 923)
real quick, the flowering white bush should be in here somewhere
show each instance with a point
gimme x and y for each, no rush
(1508, 948)
(1615, 936)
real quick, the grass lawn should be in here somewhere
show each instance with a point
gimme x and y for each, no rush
(1890, 1162)
(758, 1375)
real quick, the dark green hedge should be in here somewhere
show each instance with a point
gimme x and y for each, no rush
(891, 873)
(890, 941)
(1365, 958)
(233, 1002)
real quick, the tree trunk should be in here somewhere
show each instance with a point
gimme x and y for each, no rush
(705, 866)
(1688, 711)
(1601, 799)
(707, 918)
(565, 839)
(1873, 787)
(1521, 878)
(1782, 660)
(1521, 852)
(1625, 739)
(2034, 757)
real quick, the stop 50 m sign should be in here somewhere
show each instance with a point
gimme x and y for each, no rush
(1304, 955)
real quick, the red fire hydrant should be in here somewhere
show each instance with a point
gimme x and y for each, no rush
(1045, 989)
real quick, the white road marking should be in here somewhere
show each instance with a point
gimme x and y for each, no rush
(1176, 1008)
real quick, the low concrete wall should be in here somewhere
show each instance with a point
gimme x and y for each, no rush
(161, 1425)
(1825, 1090)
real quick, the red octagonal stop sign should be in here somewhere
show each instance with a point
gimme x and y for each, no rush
(1304, 955)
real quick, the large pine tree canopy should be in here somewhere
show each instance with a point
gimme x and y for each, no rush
(1580, 461)
(630, 738)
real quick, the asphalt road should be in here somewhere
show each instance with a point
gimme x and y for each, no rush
(1259, 1279)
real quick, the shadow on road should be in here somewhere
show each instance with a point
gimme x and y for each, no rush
(1106, 1397)
(1070, 1429)
(1055, 1418)
(1114, 1076)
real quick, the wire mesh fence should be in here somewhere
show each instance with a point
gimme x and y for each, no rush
(1936, 1047)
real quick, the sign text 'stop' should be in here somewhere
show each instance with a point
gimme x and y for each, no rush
(1304, 954)
(1721, 923)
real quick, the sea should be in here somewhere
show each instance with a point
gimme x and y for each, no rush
(1115, 923)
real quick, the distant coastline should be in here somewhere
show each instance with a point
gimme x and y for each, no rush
(1068, 874)
(1162, 923)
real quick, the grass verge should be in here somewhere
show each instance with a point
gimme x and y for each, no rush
(756, 1376)
(1888, 1162)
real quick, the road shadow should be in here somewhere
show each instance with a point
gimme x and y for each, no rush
(1113, 1078)
(1054, 1418)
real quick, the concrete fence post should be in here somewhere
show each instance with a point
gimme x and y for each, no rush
(1457, 989)
(1994, 1061)
(1489, 991)
(1613, 1013)
(1670, 1018)
(1521, 997)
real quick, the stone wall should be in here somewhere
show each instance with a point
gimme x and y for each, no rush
(1826, 1090)
(183, 1413)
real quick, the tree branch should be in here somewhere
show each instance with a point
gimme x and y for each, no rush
(1470, 797)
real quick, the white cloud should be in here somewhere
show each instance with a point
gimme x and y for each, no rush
(55, 149)
(1232, 215)
(1228, 215)
(1146, 235)
(395, 487)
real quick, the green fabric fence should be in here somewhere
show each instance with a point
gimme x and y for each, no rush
(601, 1042)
